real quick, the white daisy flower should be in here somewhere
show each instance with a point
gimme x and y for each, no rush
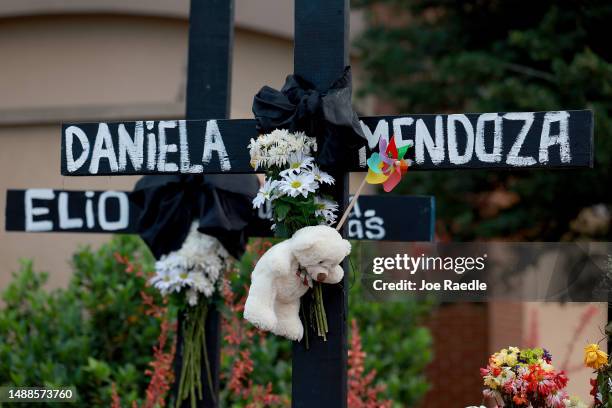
(327, 209)
(194, 269)
(164, 280)
(296, 184)
(320, 176)
(183, 279)
(296, 163)
(266, 193)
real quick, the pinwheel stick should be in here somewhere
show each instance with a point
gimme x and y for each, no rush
(351, 204)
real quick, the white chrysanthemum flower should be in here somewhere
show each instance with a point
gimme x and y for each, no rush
(320, 176)
(267, 192)
(195, 268)
(192, 297)
(298, 162)
(273, 149)
(296, 184)
(304, 143)
(203, 283)
(327, 209)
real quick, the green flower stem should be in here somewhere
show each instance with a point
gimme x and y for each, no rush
(194, 349)
(321, 317)
(207, 363)
(322, 306)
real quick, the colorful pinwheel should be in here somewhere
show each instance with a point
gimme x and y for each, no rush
(388, 165)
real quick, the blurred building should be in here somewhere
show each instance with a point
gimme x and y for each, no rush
(96, 60)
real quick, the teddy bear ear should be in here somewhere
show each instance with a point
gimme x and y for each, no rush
(302, 242)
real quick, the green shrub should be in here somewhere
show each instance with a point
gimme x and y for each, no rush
(95, 333)
(493, 56)
(398, 347)
(89, 335)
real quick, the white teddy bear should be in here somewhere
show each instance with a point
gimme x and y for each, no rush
(273, 303)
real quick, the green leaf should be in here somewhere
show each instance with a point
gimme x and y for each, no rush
(281, 210)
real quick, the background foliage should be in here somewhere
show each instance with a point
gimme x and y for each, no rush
(96, 333)
(436, 56)
(89, 335)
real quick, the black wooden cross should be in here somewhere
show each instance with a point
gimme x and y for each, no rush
(209, 68)
(47, 210)
(462, 141)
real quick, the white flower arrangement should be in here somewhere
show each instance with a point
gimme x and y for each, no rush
(292, 176)
(273, 149)
(194, 272)
(195, 268)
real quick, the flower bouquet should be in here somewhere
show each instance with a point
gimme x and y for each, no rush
(525, 378)
(191, 276)
(292, 181)
(598, 360)
(293, 187)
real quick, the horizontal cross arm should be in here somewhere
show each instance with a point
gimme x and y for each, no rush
(451, 141)
(389, 218)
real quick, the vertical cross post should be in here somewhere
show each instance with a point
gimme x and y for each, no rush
(211, 31)
(320, 55)
(211, 37)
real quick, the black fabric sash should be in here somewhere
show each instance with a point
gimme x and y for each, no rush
(222, 205)
(328, 115)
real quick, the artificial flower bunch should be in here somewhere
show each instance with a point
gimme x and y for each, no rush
(525, 378)
(293, 180)
(598, 360)
(194, 270)
(191, 277)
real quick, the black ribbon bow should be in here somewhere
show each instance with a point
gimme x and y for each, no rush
(328, 115)
(169, 205)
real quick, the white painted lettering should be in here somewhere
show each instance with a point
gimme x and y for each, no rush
(89, 213)
(65, 222)
(453, 147)
(496, 155)
(382, 130)
(186, 166)
(562, 139)
(397, 130)
(423, 139)
(32, 194)
(131, 147)
(103, 149)
(514, 157)
(213, 142)
(71, 164)
(165, 148)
